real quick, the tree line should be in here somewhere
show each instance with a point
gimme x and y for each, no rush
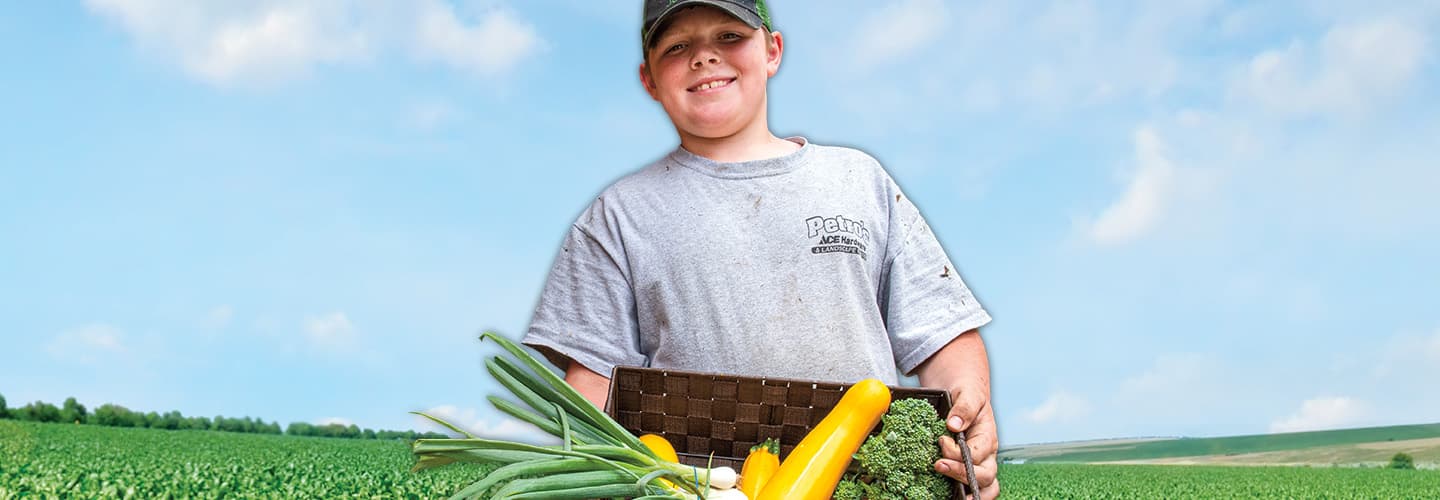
(113, 415)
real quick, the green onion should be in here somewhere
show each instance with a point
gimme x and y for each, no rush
(597, 458)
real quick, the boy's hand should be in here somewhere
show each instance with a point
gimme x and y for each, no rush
(963, 369)
(971, 414)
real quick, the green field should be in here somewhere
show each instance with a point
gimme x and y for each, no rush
(1421, 436)
(87, 461)
(1175, 481)
(84, 461)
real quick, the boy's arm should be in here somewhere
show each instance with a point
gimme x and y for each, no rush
(594, 386)
(963, 369)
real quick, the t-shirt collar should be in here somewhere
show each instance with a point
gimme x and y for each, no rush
(744, 169)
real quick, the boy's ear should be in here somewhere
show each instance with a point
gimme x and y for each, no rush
(773, 51)
(648, 81)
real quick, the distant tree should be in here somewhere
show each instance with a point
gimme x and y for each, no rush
(1402, 461)
(40, 411)
(369, 434)
(171, 420)
(72, 411)
(4, 413)
(135, 419)
(47, 412)
(300, 429)
(106, 414)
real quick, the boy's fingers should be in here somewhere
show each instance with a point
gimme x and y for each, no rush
(951, 464)
(962, 413)
(954, 469)
(989, 492)
(985, 474)
(982, 445)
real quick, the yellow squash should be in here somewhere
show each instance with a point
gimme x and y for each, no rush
(814, 467)
(760, 466)
(661, 447)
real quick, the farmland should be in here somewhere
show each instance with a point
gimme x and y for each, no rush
(54, 460)
(1171, 481)
(49, 460)
(1370, 445)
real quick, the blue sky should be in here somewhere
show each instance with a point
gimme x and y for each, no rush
(1187, 218)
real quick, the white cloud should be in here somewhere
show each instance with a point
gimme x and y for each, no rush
(263, 43)
(1323, 413)
(88, 343)
(271, 41)
(492, 46)
(898, 29)
(1145, 197)
(332, 332)
(1059, 407)
(499, 426)
(1353, 67)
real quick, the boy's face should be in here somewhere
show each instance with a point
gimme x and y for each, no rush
(709, 70)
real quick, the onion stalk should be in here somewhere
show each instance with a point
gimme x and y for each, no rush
(597, 458)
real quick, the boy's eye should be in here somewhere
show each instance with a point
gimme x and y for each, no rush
(730, 36)
(675, 48)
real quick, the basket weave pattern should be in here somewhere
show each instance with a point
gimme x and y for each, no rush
(705, 413)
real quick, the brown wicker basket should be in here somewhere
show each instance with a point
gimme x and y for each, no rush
(705, 413)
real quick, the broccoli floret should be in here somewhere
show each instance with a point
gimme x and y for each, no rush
(855, 487)
(850, 488)
(899, 461)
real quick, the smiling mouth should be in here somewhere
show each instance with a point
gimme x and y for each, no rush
(712, 84)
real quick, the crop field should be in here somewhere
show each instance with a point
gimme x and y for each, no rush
(1183, 481)
(87, 461)
(1420, 441)
(83, 461)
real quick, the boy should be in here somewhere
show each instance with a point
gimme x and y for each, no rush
(741, 252)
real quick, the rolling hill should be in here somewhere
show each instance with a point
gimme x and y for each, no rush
(1360, 446)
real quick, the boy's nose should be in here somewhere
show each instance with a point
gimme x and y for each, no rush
(701, 61)
(704, 54)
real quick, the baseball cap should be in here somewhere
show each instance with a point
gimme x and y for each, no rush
(753, 13)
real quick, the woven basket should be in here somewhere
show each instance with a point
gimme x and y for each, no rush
(705, 413)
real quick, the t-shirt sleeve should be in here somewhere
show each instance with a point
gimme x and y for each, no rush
(926, 304)
(587, 309)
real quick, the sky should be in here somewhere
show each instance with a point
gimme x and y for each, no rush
(1194, 218)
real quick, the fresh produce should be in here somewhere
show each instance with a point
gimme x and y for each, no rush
(760, 466)
(662, 449)
(814, 467)
(660, 446)
(597, 458)
(899, 462)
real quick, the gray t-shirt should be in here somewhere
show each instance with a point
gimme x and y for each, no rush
(812, 265)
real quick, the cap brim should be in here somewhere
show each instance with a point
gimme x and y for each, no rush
(749, 18)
